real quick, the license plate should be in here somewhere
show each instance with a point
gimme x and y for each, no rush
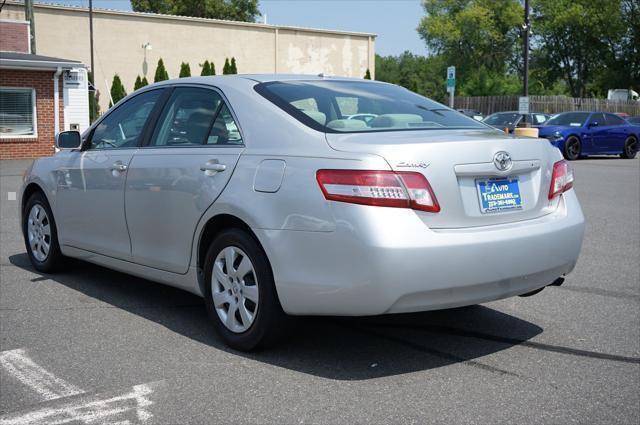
(499, 194)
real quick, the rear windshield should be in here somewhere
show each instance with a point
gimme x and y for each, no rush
(502, 119)
(355, 106)
(572, 119)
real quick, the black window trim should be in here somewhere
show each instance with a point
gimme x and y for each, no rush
(86, 144)
(261, 89)
(225, 102)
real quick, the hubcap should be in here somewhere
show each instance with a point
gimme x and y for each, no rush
(39, 232)
(234, 288)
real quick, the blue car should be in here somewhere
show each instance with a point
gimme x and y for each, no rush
(579, 134)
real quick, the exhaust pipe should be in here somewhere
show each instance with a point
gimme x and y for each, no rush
(558, 282)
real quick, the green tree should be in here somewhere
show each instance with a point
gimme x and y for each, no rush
(590, 44)
(424, 75)
(161, 72)
(206, 69)
(473, 33)
(117, 91)
(94, 106)
(138, 84)
(234, 10)
(185, 70)
(213, 68)
(145, 82)
(233, 69)
(367, 75)
(226, 69)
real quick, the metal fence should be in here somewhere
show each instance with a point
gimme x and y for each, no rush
(547, 104)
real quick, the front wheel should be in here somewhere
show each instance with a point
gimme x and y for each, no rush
(240, 293)
(572, 148)
(630, 148)
(40, 235)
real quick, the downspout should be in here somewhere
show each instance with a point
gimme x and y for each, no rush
(56, 101)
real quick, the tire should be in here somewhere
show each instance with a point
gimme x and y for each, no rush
(39, 230)
(572, 148)
(235, 290)
(630, 148)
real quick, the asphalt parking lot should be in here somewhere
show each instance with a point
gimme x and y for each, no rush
(96, 346)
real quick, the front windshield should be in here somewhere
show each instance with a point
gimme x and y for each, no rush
(355, 106)
(572, 119)
(502, 119)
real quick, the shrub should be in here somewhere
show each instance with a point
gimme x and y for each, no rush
(161, 72)
(185, 70)
(117, 90)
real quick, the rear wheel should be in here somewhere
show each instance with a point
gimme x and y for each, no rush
(240, 293)
(40, 235)
(630, 148)
(572, 148)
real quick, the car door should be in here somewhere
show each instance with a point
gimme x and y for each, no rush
(90, 182)
(616, 132)
(189, 159)
(595, 139)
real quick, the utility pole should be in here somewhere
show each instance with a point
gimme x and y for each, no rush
(93, 70)
(527, 28)
(28, 16)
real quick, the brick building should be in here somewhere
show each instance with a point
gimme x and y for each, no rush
(39, 95)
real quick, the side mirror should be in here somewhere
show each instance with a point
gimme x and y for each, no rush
(69, 140)
(593, 124)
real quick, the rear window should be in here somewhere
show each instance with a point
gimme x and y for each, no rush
(355, 106)
(505, 119)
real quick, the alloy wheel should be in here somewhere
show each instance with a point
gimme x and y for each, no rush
(39, 232)
(234, 288)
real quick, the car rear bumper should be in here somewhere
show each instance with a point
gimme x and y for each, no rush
(385, 260)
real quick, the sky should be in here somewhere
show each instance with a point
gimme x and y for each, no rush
(394, 21)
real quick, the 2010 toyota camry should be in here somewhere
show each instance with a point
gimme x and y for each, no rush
(271, 197)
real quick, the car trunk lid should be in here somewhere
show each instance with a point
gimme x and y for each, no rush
(460, 167)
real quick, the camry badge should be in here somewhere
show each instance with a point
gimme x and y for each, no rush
(502, 161)
(411, 164)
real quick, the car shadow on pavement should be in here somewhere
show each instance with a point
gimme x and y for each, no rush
(328, 347)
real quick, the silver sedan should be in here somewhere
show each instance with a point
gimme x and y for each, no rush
(261, 194)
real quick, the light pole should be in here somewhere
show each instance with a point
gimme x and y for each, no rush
(527, 28)
(92, 93)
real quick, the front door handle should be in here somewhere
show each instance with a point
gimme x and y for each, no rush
(212, 167)
(119, 166)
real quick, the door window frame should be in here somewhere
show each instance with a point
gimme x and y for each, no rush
(149, 123)
(225, 102)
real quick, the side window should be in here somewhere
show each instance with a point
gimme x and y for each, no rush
(224, 131)
(539, 119)
(599, 118)
(614, 120)
(187, 117)
(122, 127)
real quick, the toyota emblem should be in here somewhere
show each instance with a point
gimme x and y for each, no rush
(502, 161)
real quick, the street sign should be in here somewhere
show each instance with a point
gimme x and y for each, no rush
(451, 77)
(523, 105)
(451, 83)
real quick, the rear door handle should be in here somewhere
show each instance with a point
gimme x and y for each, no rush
(119, 166)
(212, 167)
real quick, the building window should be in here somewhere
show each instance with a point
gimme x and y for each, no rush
(17, 113)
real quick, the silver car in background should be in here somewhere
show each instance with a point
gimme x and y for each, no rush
(263, 195)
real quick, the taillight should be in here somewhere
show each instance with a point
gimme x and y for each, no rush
(378, 188)
(561, 179)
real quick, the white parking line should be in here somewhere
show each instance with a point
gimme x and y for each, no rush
(122, 409)
(43, 382)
